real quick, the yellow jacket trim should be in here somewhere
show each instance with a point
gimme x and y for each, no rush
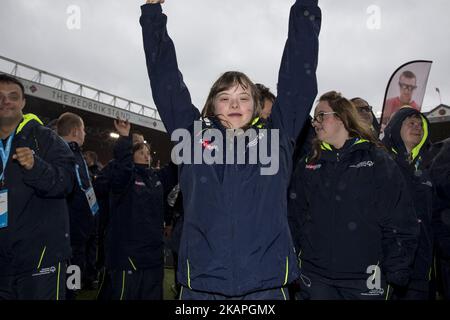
(27, 118)
(415, 151)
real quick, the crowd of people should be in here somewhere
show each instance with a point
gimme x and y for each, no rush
(345, 216)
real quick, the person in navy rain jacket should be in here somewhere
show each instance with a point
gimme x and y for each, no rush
(236, 241)
(36, 176)
(134, 238)
(350, 211)
(82, 213)
(407, 138)
(440, 173)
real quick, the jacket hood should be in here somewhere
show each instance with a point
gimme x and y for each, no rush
(392, 138)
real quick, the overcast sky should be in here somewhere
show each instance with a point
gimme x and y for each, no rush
(213, 36)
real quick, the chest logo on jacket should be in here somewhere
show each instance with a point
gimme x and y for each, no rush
(232, 146)
(313, 166)
(363, 164)
(428, 183)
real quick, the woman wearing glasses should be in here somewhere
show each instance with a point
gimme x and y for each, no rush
(352, 219)
(365, 112)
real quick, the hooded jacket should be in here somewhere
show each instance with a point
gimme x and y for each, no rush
(37, 235)
(134, 238)
(420, 186)
(350, 210)
(82, 220)
(236, 238)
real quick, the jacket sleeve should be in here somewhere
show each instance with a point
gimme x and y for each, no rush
(398, 222)
(297, 205)
(297, 83)
(52, 175)
(123, 166)
(170, 94)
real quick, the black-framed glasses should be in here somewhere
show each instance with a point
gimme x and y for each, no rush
(405, 86)
(366, 109)
(319, 117)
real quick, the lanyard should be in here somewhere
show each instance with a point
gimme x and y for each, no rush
(77, 171)
(4, 153)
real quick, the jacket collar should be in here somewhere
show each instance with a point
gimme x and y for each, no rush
(330, 153)
(27, 118)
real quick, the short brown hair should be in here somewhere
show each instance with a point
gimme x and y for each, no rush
(4, 78)
(67, 122)
(408, 74)
(225, 82)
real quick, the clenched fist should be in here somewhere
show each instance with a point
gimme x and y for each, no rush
(25, 157)
(123, 127)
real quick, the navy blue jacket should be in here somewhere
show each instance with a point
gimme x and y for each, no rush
(38, 231)
(235, 236)
(134, 237)
(440, 173)
(351, 209)
(102, 187)
(82, 221)
(420, 186)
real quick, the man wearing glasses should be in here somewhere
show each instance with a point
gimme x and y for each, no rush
(407, 85)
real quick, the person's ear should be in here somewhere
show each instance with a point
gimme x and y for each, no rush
(24, 101)
(74, 132)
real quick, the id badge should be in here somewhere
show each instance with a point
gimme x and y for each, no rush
(92, 200)
(3, 208)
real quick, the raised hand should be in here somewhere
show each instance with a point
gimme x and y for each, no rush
(155, 1)
(25, 157)
(123, 127)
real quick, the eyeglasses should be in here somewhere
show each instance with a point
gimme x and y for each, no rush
(405, 86)
(319, 117)
(367, 109)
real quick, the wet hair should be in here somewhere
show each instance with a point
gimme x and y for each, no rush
(67, 122)
(4, 78)
(225, 82)
(347, 113)
(264, 94)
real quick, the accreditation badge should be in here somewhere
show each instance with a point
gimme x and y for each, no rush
(3, 208)
(92, 200)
